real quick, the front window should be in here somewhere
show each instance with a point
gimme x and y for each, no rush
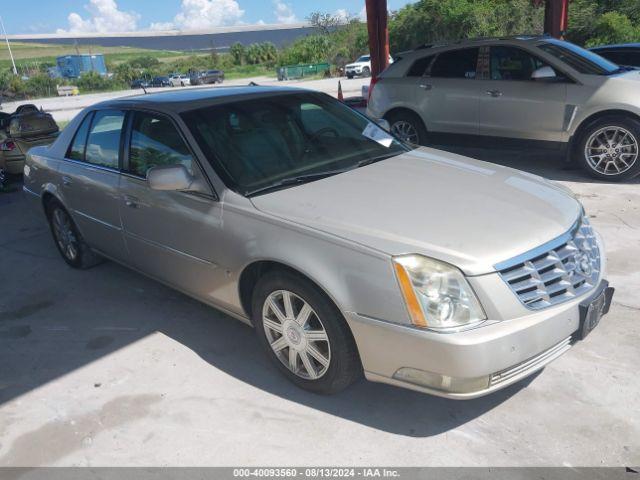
(156, 142)
(509, 63)
(581, 60)
(275, 141)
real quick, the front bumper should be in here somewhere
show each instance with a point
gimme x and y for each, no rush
(470, 363)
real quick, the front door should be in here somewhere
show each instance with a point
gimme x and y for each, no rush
(514, 105)
(172, 236)
(89, 180)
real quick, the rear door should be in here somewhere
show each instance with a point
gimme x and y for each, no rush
(515, 106)
(89, 180)
(172, 236)
(448, 94)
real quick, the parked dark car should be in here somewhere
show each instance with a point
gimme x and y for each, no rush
(140, 83)
(208, 77)
(627, 55)
(21, 130)
(161, 82)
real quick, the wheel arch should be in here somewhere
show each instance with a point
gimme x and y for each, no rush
(590, 120)
(255, 270)
(50, 194)
(400, 109)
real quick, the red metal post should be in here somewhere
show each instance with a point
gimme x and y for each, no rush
(378, 35)
(556, 17)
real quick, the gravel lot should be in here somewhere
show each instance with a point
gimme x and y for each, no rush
(106, 367)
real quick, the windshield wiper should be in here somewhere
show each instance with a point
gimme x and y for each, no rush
(298, 180)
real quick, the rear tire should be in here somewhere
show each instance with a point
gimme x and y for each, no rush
(74, 250)
(314, 350)
(609, 148)
(408, 127)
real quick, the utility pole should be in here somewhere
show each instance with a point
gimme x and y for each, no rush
(13, 62)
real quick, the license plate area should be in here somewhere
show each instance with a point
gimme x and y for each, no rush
(593, 309)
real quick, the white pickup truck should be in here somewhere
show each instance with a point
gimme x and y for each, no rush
(361, 67)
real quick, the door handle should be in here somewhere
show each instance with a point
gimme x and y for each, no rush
(66, 181)
(131, 202)
(494, 93)
(426, 86)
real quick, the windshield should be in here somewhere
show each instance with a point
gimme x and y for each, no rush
(578, 58)
(263, 142)
(364, 58)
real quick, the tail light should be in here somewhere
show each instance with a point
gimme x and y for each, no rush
(8, 146)
(374, 80)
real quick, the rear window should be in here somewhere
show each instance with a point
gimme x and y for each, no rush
(456, 64)
(420, 66)
(103, 144)
(76, 151)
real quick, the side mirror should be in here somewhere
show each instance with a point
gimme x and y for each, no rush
(384, 124)
(544, 73)
(170, 178)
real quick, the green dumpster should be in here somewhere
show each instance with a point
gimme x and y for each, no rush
(291, 72)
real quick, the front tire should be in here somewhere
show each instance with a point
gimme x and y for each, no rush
(366, 72)
(74, 250)
(609, 148)
(407, 126)
(304, 334)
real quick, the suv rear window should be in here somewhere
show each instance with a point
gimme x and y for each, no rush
(420, 66)
(456, 64)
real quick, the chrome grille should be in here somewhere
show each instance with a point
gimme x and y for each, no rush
(557, 271)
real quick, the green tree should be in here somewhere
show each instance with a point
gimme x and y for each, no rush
(611, 28)
(238, 53)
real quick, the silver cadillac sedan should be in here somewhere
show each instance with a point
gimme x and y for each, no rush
(348, 251)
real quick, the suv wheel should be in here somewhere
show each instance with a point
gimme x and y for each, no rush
(349, 76)
(70, 243)
(304, 333)
(366, 72)
(407, 126)
(609, 148)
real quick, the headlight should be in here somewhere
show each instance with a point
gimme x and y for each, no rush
(437, 294)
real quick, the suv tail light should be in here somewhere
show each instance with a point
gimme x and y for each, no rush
(8, 146)
(374, 80)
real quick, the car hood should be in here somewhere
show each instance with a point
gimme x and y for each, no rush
(469, 213)
(357, 64)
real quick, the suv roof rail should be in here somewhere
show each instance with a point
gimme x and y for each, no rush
(521, 36)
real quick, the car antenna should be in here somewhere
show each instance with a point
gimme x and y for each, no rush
(143, 89)
(253, 84)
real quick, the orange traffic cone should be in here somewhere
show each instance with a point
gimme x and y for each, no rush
(340, 96)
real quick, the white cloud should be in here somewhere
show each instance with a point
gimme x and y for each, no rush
(342, 15)
(363, 14)
(284, 12)
(104, 16)
(203, 14)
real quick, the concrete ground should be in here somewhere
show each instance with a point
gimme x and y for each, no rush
(106, 367)
(65, 108)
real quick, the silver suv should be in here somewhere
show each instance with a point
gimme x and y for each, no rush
(532, 89)
(348, 252)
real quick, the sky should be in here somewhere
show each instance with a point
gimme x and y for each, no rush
(80, 16)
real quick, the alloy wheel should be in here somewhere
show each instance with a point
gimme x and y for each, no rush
(611, 150)
(405, 131)
(64, 234)
(296, 334)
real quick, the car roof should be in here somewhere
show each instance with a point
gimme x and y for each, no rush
(618, 46)
(191, 98)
